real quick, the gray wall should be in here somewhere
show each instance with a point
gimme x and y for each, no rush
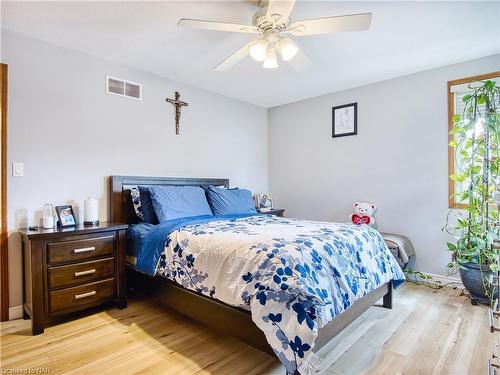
(398, 160)
(70, 134)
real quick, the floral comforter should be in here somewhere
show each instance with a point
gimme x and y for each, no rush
(294, 275)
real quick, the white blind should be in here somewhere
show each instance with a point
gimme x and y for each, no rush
(460, 105)
(463, 89)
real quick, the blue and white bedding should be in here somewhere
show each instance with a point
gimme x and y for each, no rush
(294, 275)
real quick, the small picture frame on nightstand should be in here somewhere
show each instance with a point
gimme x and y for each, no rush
(65, 216)
(265, 201)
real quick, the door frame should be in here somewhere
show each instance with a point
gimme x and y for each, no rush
(4, 250)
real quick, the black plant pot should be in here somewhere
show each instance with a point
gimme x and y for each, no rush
(472, 276)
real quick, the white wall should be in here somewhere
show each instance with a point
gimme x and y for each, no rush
(398, 160)
(70, 135)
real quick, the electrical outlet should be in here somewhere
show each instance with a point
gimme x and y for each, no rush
(17, 169)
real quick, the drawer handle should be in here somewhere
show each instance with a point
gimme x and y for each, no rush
(84, 249)
(86, 272)
(83, 295)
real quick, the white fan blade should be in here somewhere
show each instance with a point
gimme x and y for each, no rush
(218, 26)
(300, 61)
(280, 7)
(352, 22)
(233, 59)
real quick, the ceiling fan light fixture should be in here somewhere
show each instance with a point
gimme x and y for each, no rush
(271, 61)
(258, 50)
(287, 48)
(272, 20)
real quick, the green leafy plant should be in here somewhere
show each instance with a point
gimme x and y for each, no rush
(420, 278)
(476, 142)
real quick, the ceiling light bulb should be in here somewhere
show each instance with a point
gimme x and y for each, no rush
(287, 48)
(270, 62)
(258, 49)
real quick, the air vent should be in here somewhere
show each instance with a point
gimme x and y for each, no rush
(118, 86)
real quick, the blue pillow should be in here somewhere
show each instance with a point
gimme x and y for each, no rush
(230, 201)
(173, 202)
(148, 212)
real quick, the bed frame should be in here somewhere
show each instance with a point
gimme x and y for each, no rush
(211, 312)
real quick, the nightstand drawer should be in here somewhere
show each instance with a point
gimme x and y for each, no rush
(70, 298)
(80, 273)
(74, 251)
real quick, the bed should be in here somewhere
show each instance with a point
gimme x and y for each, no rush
(285, 286)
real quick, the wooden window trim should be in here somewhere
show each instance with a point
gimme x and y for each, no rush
(4, 250)
(451, 151)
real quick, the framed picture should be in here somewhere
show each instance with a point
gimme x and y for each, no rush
(345, 120)
(265, 201)
(66, 216)
(255, 198)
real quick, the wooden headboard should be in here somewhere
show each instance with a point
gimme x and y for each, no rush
(122, 210)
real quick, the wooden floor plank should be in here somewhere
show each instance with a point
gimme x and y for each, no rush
(363, 352)
(433, 336)
(456, 356)
(427, 332)
(484, 344)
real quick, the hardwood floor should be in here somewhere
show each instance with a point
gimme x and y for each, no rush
(427, 332)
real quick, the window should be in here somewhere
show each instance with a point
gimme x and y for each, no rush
(456, 91)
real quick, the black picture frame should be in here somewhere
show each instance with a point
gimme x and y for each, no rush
(64, 213)
(336, 134)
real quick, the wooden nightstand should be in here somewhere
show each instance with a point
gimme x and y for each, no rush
(67, 270)
(274, 211)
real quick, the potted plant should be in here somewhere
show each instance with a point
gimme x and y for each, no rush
(476, 143)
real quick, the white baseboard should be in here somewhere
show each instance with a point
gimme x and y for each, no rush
(15, 312)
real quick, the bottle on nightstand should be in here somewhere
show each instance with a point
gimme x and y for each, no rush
(48, 216)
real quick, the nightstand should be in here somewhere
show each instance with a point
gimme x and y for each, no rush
(67, 270)
(273, 211)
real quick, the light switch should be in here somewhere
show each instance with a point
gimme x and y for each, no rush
(17, 169)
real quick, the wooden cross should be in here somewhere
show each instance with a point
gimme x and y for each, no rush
(178, 104)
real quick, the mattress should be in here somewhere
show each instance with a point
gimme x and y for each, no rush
(294, 275)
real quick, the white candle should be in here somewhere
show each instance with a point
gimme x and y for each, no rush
(48, 216)
(91, 210)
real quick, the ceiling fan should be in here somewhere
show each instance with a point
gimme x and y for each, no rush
(273, 24)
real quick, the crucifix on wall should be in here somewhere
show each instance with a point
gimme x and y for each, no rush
(178, 105)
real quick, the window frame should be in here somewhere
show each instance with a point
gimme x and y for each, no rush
(451, 151)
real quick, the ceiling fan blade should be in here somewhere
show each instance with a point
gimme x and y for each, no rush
(352, 22)
(218, 26)
(280, 7)
(300, 61)
(233, 59)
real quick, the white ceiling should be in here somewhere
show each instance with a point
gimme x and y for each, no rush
(405, 37)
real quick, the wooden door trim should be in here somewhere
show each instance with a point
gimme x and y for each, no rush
(4, 254)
